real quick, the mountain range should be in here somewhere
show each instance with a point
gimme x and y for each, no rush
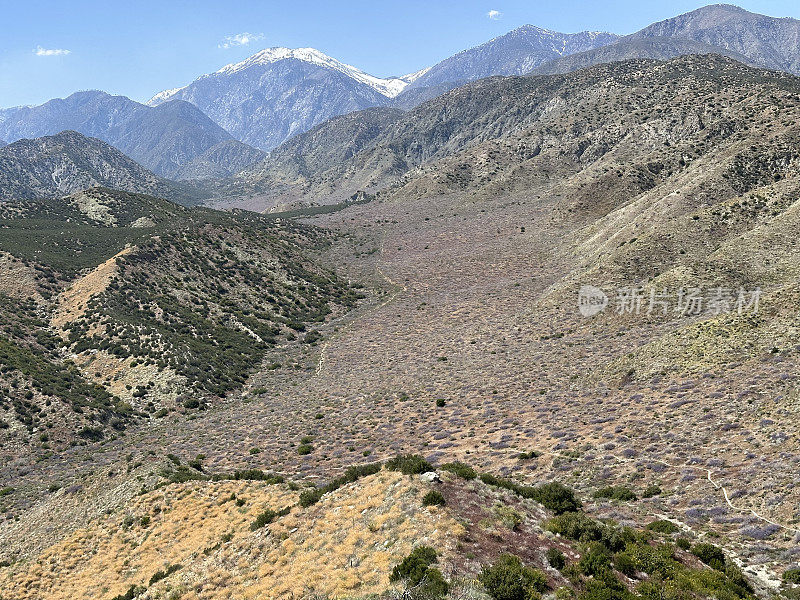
(222, 123)
(68, 162)
(174, 140)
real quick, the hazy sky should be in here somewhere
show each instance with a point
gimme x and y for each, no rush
(50, 49)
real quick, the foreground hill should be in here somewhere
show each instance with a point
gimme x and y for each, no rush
(174, 140)
(133, 305)
(68, 162)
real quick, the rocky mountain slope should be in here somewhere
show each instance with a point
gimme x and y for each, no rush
(630, 48)
(767, 41)
(166, 139)
(515, 53)
(534, 112)
(719, 29)
(68, 162)
(279, 92)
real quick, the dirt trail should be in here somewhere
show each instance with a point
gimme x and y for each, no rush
(73, 301)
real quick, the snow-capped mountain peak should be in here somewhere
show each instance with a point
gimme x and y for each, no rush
(388, 87)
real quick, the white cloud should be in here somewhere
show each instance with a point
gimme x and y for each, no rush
(494, 15)
(50, 51)
(240, 39)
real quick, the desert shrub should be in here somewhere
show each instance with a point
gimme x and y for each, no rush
(6, 491)
(183, 474)
(556, 558)
(508, 516)
(616, 492)
(528, 455)
(596, 560)
(433, 498)
(304, 449)
(132, 593)
(554, 496)
(651, 490)
(683, 543)
(409, 464)
(663, 526)
(268, 516)
(353, 473)
(509, 579)
(251, 475)
(625, 564)
(416, 570)
(159, 575)
(575, 526)
(460, 469)
(710, 554)
(792, 575)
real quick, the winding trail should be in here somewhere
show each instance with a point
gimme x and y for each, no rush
(709, 477)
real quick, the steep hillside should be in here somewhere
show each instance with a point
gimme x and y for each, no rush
(164, 139)
(160, 307)
(68, 162)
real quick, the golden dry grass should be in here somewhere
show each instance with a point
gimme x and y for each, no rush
(345, 545)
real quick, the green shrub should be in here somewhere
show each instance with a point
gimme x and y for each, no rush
(433, 498)
(312, 496)
(418, 573)
(267, 517)
(460, 469)
(625, 564)
(575, 526)
(6, 491)
(683, 543)
(159, 575)
(710, 554)
(651, 490)
(792, 575)
(596, 560)
(663, 526)
(304, 449)
(409, 464)
(556, 558)
(616, 492)
(509, 579)
(554, 496)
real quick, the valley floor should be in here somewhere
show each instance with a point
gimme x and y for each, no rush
(467, 310)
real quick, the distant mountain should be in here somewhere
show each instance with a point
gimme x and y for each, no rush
(496, 124)
(164, 139)
(629, 48)
(279, 92)
(515, 53)
(68, 162)
(768, 41)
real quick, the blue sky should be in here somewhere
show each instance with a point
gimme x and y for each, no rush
(137, 48)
